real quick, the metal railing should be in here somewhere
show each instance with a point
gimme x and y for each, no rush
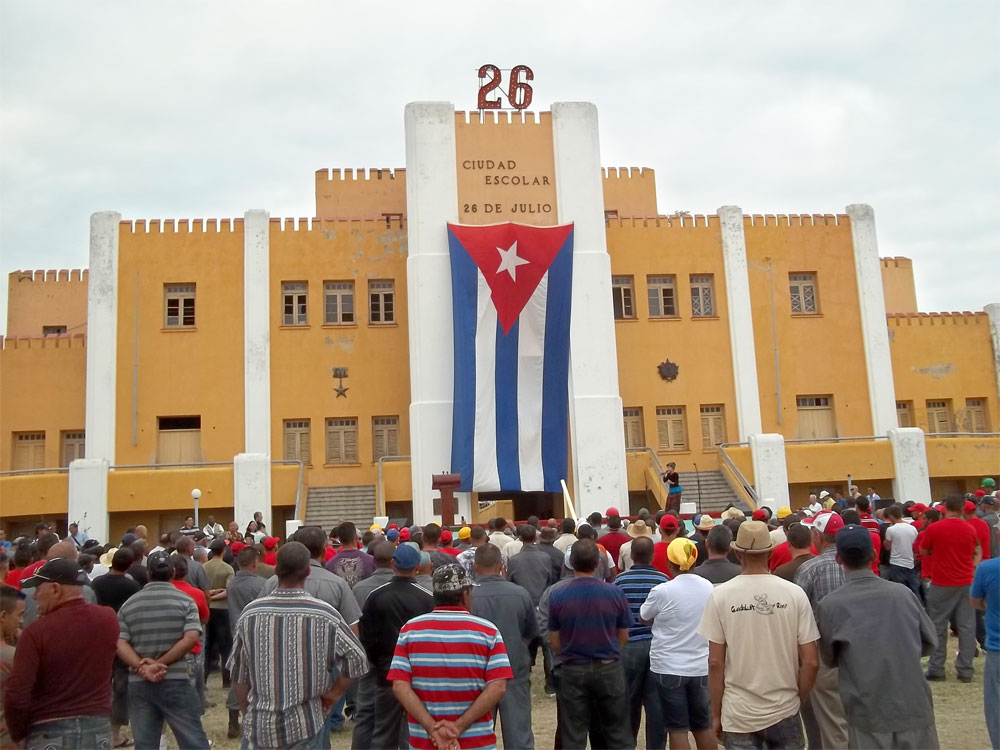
(21, 472)
(864, 439)
(381, 487)
(961, 434)
(733, 472)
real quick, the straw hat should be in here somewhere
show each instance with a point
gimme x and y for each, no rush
(639, 528)
(753, 537)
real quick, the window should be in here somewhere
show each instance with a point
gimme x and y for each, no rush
(671, 428)
(385, 437)
(622, 296)
(391, 217)
(29, 450)
(662, 292)
(713, 426)
(904, 413)
(338, 302)
(53, 330)
(702, 297)
(802, 287)
(294, 303)
(381, 302)
(179, 305)
(610, 214)
(342, 441)
(975, 415)
(633, 428)
(72, 447)
(297, 441)
(178, 440)
(939, 416)
(816, 418)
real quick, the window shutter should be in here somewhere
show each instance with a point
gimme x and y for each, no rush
(305, 451)
(706, 432)
(678, 439)
(334, 447)
(663, 433)
(351, 445)
(289, 445)
(392, 441)
(379, 440)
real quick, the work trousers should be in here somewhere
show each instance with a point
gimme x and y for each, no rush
(827, 710)
(515, 714)
(923, 738)
(391, 731)
(594, 692)
(218, 642)
(364, 717)
(642, 694)
(951, 604)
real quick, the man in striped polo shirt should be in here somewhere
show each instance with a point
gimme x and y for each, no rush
(450, 669)
(286, 647)
(158, 626)
(637, 582)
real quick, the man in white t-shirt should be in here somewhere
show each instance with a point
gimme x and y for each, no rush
(899, 539)
(678, 655)
(763, 657)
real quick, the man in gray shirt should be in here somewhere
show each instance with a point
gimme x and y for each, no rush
(532, 567)
(875, 631)
(717, 567)
(509, 607)
(241, 589)
(196, 574)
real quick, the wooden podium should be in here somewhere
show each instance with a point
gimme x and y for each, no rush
(447, 484)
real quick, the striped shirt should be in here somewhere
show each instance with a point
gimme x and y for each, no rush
(448, 656)
(636, 583)
(820, 575)
(285, 646)
(153, 620)
(588, 614)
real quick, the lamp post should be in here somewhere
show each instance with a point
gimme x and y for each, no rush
(195, 495)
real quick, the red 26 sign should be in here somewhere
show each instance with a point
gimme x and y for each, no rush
(518, 91)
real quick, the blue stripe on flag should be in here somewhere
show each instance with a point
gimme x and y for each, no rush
(464, 290)
(508, 457)
(555, 378)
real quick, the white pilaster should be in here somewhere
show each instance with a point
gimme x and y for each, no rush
(256, 332)
(88, 496)
(874, 331)
(102, 336)
(595, 410)
(252, 488)
(909, 456)
(993, 311)
(770, 471)
(734, 258)
(431, 202)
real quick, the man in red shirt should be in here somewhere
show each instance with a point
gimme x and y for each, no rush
(49, 697)
(669, 528)
(982, 528)
(195, 656)
(955, 552)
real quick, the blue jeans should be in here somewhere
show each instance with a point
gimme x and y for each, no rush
(642, 694)
(79, 733)
(594, 693)
(991, 697)
(684, 701)
(173, 701)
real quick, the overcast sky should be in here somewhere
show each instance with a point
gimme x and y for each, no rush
(193, 109)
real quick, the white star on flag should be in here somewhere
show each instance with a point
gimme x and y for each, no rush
(509, 261)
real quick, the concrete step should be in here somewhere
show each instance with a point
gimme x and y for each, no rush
(715, 493)
(328, 506)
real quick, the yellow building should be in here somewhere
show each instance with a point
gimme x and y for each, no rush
(746, 353)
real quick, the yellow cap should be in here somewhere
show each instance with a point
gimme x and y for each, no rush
(464, 533)
(374, 527)
(784, 511)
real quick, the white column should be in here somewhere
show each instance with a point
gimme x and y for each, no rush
(734, 259)
(102, 335)
(595, 409)
(770, 472)
(88, 496)
(88, 478)
(993, 311)
(909, 456)
(431, 202)
(257, 331)
(252, 468)
(874, 331)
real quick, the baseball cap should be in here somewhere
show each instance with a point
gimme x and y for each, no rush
(392, 535)
(988, 482)
(375, 527)
(918, 508)
(159, 562)
(464, 533)
(128, 539)
(753, 537)
(668, 523)
(969, 507)
(450, 578)
(59, 570)
(404, 535)
(612, 511)
(759, 515)
(784, 511)
(270, 542)
(854, 537)
(825, 522)
(446, 536)
(406, 557)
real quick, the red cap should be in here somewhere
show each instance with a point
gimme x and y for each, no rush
(918, 508)
(759, 515)
(237, 546)
(969, 507)
(939, 508)
(392, 526)
(446, 536)
(980, 493)
(612, 511)
(404, 534)
(668, 523)
(825, 522)
(270, 542)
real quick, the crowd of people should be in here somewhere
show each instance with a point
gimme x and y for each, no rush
(801, 628)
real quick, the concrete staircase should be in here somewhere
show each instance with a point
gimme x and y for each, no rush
(328, 506)
(716, 494)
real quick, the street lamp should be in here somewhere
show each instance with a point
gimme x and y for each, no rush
(195, 495)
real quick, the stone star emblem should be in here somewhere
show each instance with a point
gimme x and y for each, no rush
(341, 390)
(509, 261)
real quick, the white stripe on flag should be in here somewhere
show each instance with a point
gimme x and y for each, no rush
(486, 477)
(530, 368)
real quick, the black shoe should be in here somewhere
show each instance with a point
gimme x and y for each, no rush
(935, 677)
(965, 678)
(235, 730)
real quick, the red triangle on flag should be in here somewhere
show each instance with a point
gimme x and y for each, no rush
(512, 258)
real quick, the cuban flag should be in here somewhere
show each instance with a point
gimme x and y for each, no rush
(511, 287)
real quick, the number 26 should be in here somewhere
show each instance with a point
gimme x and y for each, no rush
(518, 91)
